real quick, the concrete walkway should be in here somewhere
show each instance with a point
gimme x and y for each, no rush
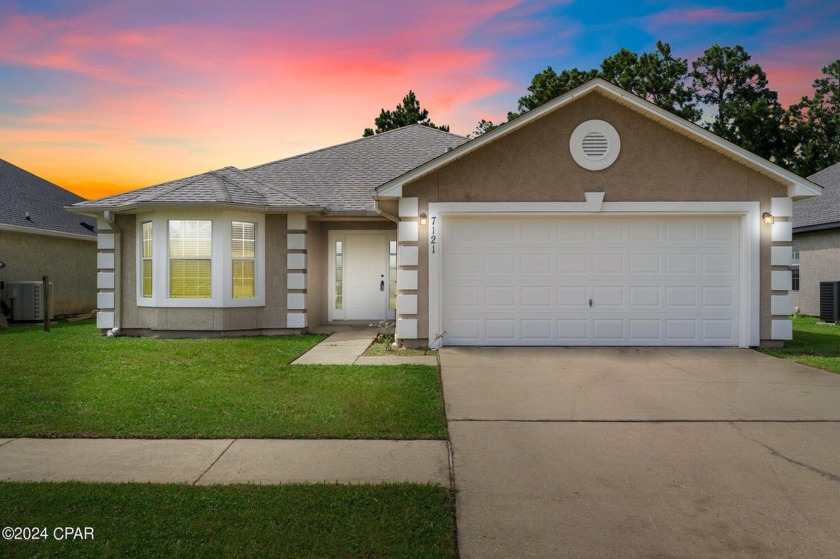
(347, 346)
(225, 461)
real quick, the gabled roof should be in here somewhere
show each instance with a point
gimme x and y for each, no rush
(797, 186)
(224, 187)
(22, 194)
(823, 212)
(342, 178)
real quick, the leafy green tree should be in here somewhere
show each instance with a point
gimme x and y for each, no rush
(815, 122)
(658, 77)
(746, 111)
(548, 84)
(407, 113)
(483, 127)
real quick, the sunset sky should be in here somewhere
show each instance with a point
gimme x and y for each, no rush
(103, 96)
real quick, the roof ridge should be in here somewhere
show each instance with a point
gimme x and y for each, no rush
(347, 143)
(303, 201)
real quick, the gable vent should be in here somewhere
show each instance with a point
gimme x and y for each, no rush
(595, 145)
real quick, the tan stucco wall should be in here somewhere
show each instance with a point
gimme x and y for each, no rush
(317, 255)
(70, 263)
(533, 163)
(270, 317)
(819, 260)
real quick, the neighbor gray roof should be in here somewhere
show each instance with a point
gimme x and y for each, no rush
(342, 178)
(21, 192)
(820, 212)
(227, 186)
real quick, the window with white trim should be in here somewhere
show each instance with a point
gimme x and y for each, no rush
(794, 267)
(190, 258)
(339, 275)
(244, 256)
(146, 256)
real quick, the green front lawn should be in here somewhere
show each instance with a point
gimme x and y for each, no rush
(72, 382)
(318, 521)
(814, 343)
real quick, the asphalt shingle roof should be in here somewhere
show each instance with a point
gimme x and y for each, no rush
(339, 178)
(342, 178)
(223, 186)
(820, 210)
(21, 192)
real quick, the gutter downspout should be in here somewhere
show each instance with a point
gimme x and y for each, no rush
(383, 213)
(111, 220)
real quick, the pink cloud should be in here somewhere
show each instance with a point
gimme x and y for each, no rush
(219, 94)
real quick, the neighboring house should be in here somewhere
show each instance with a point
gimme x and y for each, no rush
(38, 237)
(816, 241)
(596, 219)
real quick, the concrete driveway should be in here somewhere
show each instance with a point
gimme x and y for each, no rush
(563, 452)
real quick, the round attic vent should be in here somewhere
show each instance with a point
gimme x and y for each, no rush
(595, 145)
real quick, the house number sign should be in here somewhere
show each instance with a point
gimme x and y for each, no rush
(433, 235)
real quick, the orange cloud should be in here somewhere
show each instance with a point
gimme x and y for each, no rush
(147, 103)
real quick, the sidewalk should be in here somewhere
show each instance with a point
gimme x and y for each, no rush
(224, 461)
(347, 347)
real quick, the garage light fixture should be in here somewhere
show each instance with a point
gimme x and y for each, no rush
(423, 219)
(767, 218)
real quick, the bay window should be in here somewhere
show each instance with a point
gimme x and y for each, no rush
(195, 259)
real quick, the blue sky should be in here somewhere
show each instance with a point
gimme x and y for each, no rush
(102, 96)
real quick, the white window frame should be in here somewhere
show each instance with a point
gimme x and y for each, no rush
(144, 258)
(221, 261)
(244, 258)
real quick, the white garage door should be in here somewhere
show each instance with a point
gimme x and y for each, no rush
(591, 281)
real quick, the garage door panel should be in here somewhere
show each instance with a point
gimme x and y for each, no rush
(645, 296)
(537, 296)
(500, 296)
(608, 329)
(537, 264)
(608, 296)
(572, 296)
(573, 330)
(574, 264)
(652, 281)
(645, 329)
(537, 330)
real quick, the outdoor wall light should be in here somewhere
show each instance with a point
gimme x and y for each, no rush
(2, 264)
(767, 218)
(423, 219)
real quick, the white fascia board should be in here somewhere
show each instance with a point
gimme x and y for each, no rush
(797, 186)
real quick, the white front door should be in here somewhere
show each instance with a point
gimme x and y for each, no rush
(361, 273)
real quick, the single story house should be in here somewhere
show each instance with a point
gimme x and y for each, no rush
(38, 237)
(596, 219)
(816, 241)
